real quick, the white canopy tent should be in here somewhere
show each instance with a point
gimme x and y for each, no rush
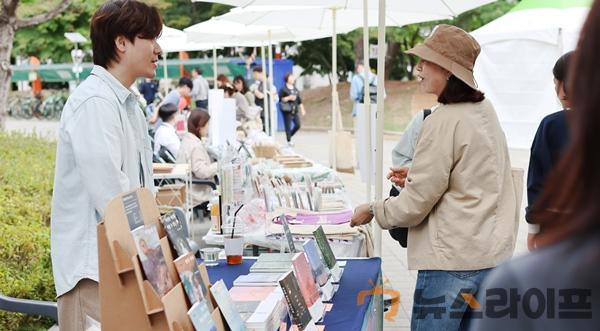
(518, 51)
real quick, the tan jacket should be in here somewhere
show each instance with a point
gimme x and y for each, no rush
(459, 201)
(192, 151)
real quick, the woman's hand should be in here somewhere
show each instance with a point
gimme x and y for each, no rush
(362, 215)
(397, 175)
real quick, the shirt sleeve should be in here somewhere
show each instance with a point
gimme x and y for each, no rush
(195, 89)
(355, 88)
(96, 134)
(427, 179)
(403, 152)
(540, 164)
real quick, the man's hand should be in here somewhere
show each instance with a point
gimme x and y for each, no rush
(398, 175)
(362, 215)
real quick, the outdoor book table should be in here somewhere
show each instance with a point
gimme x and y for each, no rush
(357, 304)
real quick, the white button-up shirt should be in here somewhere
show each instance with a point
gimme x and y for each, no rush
(103, 150)
(167, 136)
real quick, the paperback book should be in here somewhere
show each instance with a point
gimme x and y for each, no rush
(152, 258)
(201, 318)
(190, 277)
(232, 316)
(319, 269)
(308, 287)
(327, 253)
(298, 311)
(176, 233)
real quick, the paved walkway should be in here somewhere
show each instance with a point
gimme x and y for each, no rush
(313, 144)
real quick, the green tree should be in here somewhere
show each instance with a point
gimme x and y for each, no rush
(10, 22)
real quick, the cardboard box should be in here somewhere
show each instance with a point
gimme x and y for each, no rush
(171, 195)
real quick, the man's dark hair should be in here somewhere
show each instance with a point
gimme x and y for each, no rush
(198, 70)
(561, 69)
(184, 81)
(127, 18)
(167, 111)
(457, 91)
(257, 69)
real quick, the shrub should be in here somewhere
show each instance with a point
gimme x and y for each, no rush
(26, 177)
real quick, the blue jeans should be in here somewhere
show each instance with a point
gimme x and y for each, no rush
(439, 299)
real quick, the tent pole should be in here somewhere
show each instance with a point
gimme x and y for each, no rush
(334, 94)
(264, 78)
(272, 105)
(214, 67)
(367, 102)
(165, 73)
(381, 50)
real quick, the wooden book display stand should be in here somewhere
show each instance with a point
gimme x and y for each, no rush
(127, 299)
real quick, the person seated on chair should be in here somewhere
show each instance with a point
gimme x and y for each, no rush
(165, 134)
(193, 151)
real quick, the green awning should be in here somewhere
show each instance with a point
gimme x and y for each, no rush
(558, 4)
(63, 72)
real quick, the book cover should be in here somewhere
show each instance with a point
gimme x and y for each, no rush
(232, 316)
(131, 205)
(306, 280)
(258, 279)
(200, 316)
(323, 244)
(296, 304)
(176, 233)
(319, 269)
(152, 258)
(187, 268)
(288, 234)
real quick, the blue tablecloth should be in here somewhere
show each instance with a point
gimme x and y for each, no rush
(346, 315)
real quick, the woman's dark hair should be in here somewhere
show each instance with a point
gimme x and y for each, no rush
(198, 119)
(286, 76)
(239, 78)
(167, 111)
(457, 91)
(126, 18)
(228, 88)
(561, 69)
(568, 205)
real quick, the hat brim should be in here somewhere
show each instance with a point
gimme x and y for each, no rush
(456, 69)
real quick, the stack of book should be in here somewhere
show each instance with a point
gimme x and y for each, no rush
(273, 263)
(261, 308)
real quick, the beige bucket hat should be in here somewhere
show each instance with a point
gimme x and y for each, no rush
(452, 49)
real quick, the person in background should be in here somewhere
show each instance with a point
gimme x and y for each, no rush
(357, 91)
(459, 200)
(148, 88)
(184, 88)
(239, 83)
(193, 151)
(557, 283)
(549, 143)
(200, 90)
(258, 90)
(290, 105)
(166, 134)
(222, 80)
(103, 150)
(241, 104)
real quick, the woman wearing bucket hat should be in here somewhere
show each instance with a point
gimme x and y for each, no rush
(458, 201)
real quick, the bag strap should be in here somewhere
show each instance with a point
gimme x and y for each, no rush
(426, 113)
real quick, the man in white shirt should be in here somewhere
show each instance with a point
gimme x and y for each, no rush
(166, 135)
(200, 89)
(103, 150)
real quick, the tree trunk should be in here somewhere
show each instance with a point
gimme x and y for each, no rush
(7, 33)
(391, 56)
